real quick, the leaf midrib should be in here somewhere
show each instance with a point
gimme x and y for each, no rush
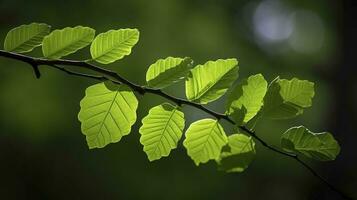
(71, 44)
(208, 136)
(315, 149)
(244, 147)
(156, 81)
(113, 47)
(211, 84)
(21, 44)
(163, 132)
(106, 115)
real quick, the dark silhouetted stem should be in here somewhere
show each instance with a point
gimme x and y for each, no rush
(108, 75)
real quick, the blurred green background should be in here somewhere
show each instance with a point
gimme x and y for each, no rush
(43, 154)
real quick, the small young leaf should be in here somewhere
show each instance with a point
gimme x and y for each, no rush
(238, 155)
(161, 130)
(113, 45)
(165, 72)
(66, 41)
(287, 98)
(319, 146)
(210, 81)
(25, 38)
(107, 114)
(204, 140)
(248, 94)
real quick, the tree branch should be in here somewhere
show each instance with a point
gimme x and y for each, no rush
(116, 78)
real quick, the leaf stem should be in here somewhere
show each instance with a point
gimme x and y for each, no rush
(105, 74)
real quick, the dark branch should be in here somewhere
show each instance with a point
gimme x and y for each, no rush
(116, 78)
(333, 188)
(36, 70)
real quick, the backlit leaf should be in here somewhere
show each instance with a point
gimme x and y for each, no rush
(165, 72)
(247, 95)
(113, 45)
(287, 98)
(210, 81)
(161, 130)
(204, 140)
(319, 146)
(63, 42)
(239, 153)
(24, 38)
(107, 114)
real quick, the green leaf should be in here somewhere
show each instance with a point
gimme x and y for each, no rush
(319, 146)
(66, 41)
(107, 114)
(204, 140)
(113, 45)
(25, 38)
(248, 94)
(165, 72)
(210, 81)
(288, 98)
(161, 130)
(238, 115)
(239, 153)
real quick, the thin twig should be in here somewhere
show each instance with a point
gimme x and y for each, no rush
(99, 78)
(116, 78)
